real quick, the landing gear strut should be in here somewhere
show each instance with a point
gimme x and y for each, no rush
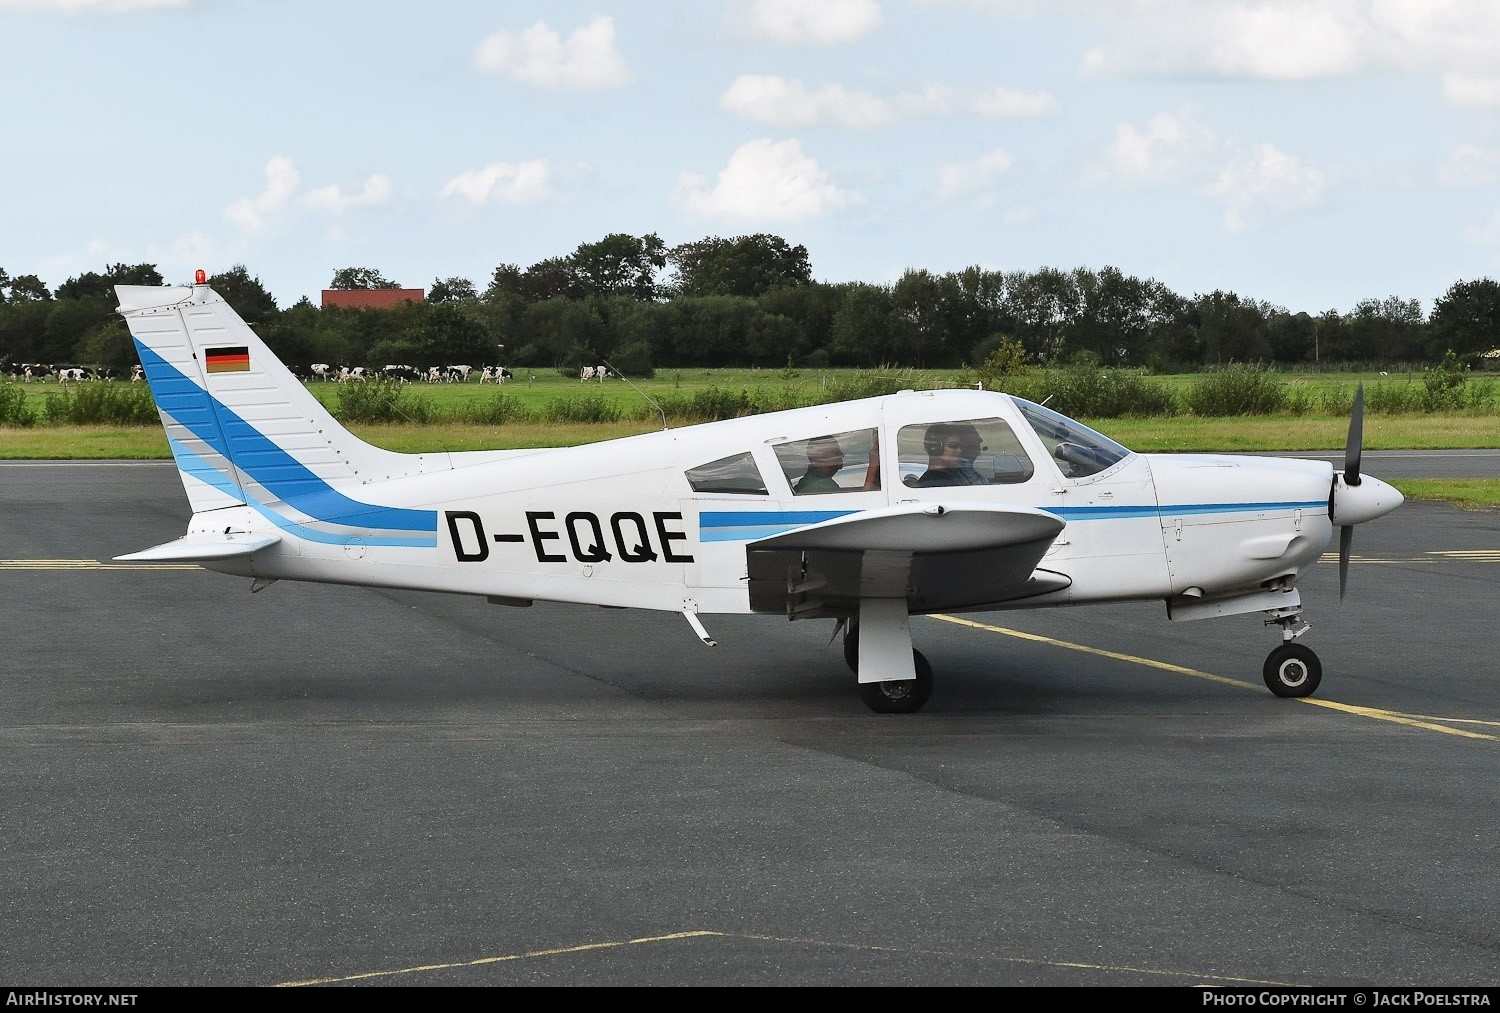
(1291, 670)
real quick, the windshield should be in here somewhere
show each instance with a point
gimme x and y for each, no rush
(1078, 450)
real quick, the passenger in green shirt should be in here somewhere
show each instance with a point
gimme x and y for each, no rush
(824, 459)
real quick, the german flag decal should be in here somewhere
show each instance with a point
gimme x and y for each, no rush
(228, 360)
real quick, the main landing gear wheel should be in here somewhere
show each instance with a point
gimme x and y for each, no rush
(900, 696)
(851, 649)
(1293, 670)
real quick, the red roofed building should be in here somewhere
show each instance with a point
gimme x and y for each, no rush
(371, 298)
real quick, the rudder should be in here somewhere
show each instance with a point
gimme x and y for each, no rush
(241, 427)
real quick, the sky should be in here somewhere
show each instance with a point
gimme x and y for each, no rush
(1310, 154)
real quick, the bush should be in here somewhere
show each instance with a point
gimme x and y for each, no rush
(1085, 390)
(1237, 389)
(590, 408)
(382, 400)
(102, 402)
(498, 410)
(13, 408)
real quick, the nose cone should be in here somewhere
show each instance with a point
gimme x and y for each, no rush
(1355, 504)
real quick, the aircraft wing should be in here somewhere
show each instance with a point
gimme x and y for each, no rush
(939, 557)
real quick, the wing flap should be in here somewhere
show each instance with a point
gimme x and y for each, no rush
(936, 557)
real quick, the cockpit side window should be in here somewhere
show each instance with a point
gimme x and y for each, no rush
(1078, 450)
(964, 452)
(832, 463)
(737, 474)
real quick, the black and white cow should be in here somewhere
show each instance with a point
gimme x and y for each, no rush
(495, 374)
(593, 373)
(323, 371)
(405, 374)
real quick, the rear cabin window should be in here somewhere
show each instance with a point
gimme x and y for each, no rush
(737, 474)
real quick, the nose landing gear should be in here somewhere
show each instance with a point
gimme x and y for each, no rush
(1291, 669)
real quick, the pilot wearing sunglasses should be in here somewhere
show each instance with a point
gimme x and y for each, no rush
(951, 449)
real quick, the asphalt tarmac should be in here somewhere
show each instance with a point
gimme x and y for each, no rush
(311, 784)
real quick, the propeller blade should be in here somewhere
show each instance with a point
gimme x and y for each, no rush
(1356, 438)
(1346, 539)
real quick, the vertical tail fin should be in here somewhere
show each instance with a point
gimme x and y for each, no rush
(243, 429)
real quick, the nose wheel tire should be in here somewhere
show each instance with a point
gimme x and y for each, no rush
(1292, 670)
(900, 696)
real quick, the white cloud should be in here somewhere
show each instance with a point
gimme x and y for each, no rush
(375, 190)
(778, 101)
(1007, 103)
(528, 182)
(1276, 39)
(787, 102)
(1472, 90)
(586, 61)
(282, 179)
(1291, 40)
(1267, 181)
(973, 179)
(1170, 148)
(765, 180)
(799, 23)
(1470, 165)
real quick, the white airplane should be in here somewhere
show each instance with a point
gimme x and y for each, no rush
(864, 512)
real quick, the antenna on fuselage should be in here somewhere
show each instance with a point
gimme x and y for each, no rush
(649, 399)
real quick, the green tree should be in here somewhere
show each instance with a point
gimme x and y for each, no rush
(1116, 316)
(812, 307)
(1041, 306)
(245, 293)
(507, 280)
(712, 331)
(1387, 330)
(620, 264)
(447, 334)
(90, 285)
(931, 309)
(1465, 320)
(865, 333)
(1231, 329)
(352, 278)
(459, 290)
(565, 333)
(744, 266)
(1292, 336)
(23, 328)
(28, 288)
(108, 347)
(553, 278)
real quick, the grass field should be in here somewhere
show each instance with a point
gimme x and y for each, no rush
(535, 389)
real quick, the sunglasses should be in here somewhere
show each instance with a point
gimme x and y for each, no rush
(953, 445)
